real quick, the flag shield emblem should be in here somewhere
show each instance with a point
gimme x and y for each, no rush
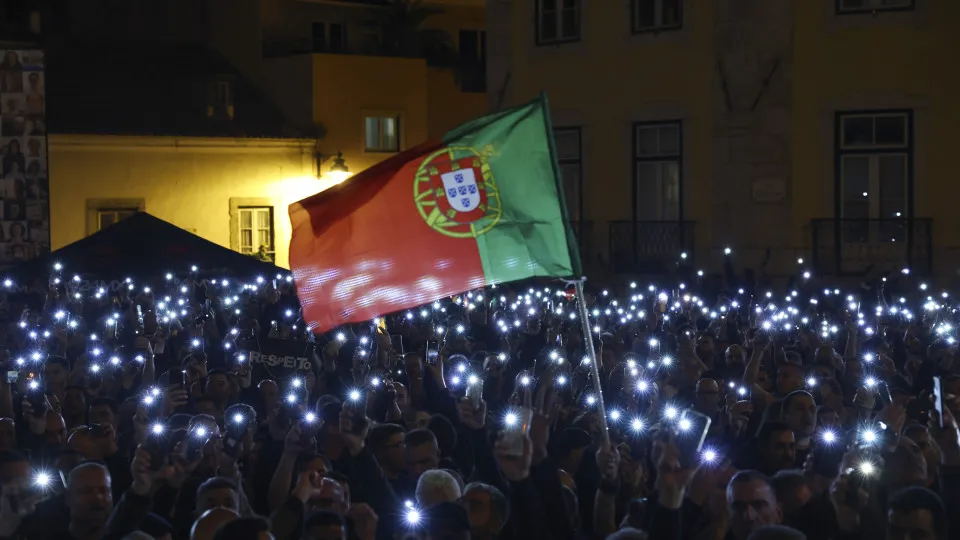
(456, 194)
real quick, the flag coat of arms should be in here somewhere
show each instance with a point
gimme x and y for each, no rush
(482, 205)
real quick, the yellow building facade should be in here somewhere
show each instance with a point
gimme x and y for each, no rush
(317, 71)
(800, 129)
(203, 185)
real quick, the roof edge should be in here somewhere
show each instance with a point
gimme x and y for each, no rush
(97, 142)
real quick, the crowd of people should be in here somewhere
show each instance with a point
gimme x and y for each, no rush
(722, 412)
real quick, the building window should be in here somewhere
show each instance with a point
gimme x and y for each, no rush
(657, 171)
(223, 94)
(558, 21)
(874, 155)
(656, 15)
(870, 6)
(567, 142)
(255, 230)
(111, 216)
(473, 60)
(220, 98)
(329, 37)
(381, 133)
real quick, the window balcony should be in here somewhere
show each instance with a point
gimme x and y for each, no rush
(649, 247)
(854, 247)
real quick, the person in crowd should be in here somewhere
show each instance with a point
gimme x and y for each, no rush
(825, 429)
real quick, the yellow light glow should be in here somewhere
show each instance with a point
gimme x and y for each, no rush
(292, 189)
(337, 176)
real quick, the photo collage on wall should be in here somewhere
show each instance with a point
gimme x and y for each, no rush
(24, 180)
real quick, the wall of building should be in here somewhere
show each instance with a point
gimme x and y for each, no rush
(894, 60)
(346, 88)
(605, 82)
(186, 181)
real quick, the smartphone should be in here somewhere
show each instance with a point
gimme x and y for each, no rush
(475, 394)
(433, 352)
(163, 381)
(184, 380)
(157, 444)
(938, 398)
(236, 420)
(827, 457)
(357, 405)
(194, 442)
(691, 429)
(13, 376)
(883, 392)
(516, 426)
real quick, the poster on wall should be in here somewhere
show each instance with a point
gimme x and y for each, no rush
(24, 181)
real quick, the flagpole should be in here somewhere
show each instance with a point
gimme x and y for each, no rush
(591, 353)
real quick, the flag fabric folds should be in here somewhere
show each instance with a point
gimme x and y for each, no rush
(482, 205)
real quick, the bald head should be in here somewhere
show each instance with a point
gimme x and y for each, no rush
(206, 525)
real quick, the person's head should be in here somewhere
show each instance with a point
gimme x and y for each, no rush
(799, 411)
(310, 463)
(245, 528)
(776, 532)
(831, 393)
(14, 467)
(103, 411)
(13, 147)
(444, 432)
(777, 446)
(823, 371)
(792, 490)
(827, 417)
(421, 452)
(8, 434)
(88, 495)
(907, 466)
(436, 486)
(11, 60)
(789, 378)
(487, 508)
(218, 385)
(205, 405)
(916, 513)
(386, 443)
(920, 435)
(752, 503)
(735, 355)
(74, 401)
(16, 229)
(447, 521)
(708, 396)
(205, 527)
(55, 371)
(325, 525)
(217, 492)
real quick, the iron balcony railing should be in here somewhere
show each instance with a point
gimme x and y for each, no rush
(858, 246)
(649, 247)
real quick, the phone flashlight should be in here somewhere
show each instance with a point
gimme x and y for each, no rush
(614, 415)
(670, 412)
(591, 399)
(811, 381)
(525, 380)
(637, 424)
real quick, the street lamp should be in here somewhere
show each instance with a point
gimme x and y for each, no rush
(339, 170)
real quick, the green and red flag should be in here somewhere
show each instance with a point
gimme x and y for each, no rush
(483, 205)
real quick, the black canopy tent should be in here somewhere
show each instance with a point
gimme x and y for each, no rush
(141, 246)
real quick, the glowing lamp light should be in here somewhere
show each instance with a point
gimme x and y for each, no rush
(591, 399)
(354, 395)
(709, 455)
(157, 429)
(685, 424)
(811, 381)
(291, 398)
(615, 415)
(511, 419)
(200, 432)
(637, 424)
(829, 437)
(670, 412)
(310, 417)
(869, 436)
(867, 468)
(525, 380)
(473, 379)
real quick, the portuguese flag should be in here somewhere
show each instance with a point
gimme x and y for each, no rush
(483, 205)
